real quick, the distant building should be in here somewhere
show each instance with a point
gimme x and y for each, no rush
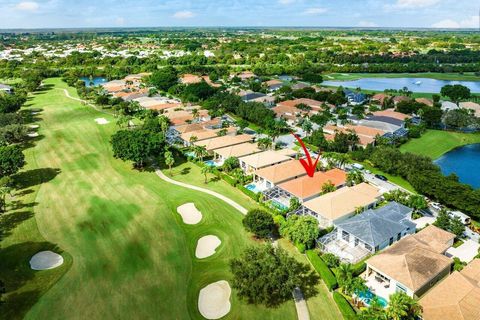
(355, 98)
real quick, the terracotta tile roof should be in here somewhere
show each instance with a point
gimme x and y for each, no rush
(238, 151)
(164, 106)
(472, 106)
(314, 104)
(188, 128)
(222, 142)
(272, 82)
(438, 239)
(306, 187)
(190, 78)
(246, 75)
(282, 172)
(365, 134)
(398, 99)
(391, 114)
(380, 97)
(344, 201)
(426, 101)
(264, 159)
(204, 134)
(412, 261)
(455, 298)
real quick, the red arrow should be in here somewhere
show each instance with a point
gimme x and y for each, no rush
(309, 167)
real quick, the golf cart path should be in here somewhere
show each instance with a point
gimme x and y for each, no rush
(210, 192)
(67, 94)
(300, 305)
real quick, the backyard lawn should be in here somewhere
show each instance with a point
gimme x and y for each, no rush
(128, 253)
(434, 143)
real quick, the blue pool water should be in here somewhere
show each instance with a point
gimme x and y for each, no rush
(464, 162)
(190, 154)
(210, 163)
(279, 205)
(253, 187)
(96, 81)
(413, 84)
(367, 296)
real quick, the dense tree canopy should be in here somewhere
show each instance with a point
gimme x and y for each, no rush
(300, 229)
(259, 222)
(137, 145)
(11, 160)
(456, 92)
(265, 275)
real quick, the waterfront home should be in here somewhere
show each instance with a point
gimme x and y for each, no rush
(413, 265)
(355, 98)
(313, 104)
(273, 85)
(366, 135)
(334, 207)
(455, 298)
(253, 162)
(426, 101)
(366, 233)
(474, 107)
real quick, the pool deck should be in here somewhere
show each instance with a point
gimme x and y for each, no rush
(378, 288)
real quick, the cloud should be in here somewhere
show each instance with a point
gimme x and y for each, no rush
(411, 4)
(27, 6)
(183, 15)
(367, 24)
(471, 22)
(286, 2)
(314, 11)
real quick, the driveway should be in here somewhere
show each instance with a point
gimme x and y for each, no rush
(423, 221)
(385, 186)
(466, 252)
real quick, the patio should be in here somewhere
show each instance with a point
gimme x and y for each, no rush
(378, 284)
(342, 249)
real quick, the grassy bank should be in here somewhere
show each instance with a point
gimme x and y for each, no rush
(435, 143)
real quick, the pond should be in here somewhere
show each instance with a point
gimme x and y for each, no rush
(464, 162)
(96, 81)
(413, 84)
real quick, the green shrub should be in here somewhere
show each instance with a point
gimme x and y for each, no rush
(279, 219)
(359, 268)
(344, 306)
(321, 267)
(229, 180)
(331, 260)
(249, 193)
(300, 247)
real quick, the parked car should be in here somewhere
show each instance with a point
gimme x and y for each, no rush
(437, 206)
(379, 176)
(458, 214)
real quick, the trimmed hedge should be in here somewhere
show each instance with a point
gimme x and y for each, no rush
(359, 268)
(321, 267)
(344, 306)
(229, 180)
(249, 193)
(300, 247)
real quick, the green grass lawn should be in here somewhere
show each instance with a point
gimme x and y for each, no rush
(434, 143)
(395, 179)
(467, 76)
(128, 254)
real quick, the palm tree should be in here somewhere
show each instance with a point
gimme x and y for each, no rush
(328, 187)
(195, 114)
(307, 126)
(264, 143)
(192, 140)
(169, 160)
(239, 175)
(344, 274)
(402, 306)
(164, 123)
(205, 170)
(200, 152)
(4, 191)
(354, 177)
(375, 311)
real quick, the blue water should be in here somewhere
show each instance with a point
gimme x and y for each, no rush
(96, 81)
(252, 187)
(426, 85)
(210, 163)
(279, 205)
(464, 162)
(367, 296)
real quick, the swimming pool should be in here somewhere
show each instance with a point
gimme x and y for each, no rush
(253, 187)
(367, 296)
(279, 205)
(190, 154)
(210, 163)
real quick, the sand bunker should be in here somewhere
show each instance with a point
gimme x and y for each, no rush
(206, 246)
(101, 121)
(34, 126)
(32, 134)
(45, 260)
(189, 213)
(214, 300)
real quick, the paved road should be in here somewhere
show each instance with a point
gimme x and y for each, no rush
(385, 186)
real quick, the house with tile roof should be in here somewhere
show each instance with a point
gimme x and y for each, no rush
(412, 265)
(254, 162)
(455, 298)
(273, 85)
(269, 177)
(334, 207)
(368, 232)
(222, 142)
(235, 151)
(314, 104)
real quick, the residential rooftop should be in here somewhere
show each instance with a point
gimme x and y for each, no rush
(225, 141)
(238, 151)
(282, 172)
(264, 159)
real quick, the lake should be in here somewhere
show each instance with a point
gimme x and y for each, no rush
(464, 162)
(96, 81)
(425, 85)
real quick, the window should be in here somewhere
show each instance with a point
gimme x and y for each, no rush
(391, 240)
(368, 247)
(357, 242)
(401, 288)
(345, 236)
(399, 236)
(377, 248)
